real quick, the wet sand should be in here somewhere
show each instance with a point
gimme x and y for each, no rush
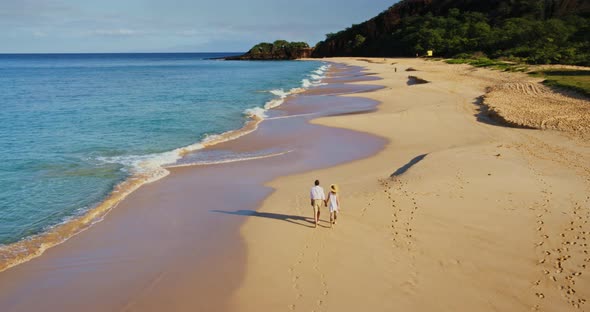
(174, 245)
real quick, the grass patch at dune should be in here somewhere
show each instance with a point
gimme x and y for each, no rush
(489, 63)
(576, 80)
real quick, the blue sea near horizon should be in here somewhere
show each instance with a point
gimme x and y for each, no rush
(73, 126)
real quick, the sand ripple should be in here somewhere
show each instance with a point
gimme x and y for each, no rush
(533, 105)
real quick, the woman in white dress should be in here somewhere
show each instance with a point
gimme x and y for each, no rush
(333, 203)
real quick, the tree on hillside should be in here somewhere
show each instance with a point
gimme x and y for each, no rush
(535, 31)
(358, 41)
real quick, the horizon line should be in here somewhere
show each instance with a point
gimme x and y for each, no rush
(31, 53)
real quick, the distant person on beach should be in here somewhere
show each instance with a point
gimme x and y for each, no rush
(333, 203)
(317, 199)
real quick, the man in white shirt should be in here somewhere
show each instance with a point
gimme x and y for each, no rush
(317, 199)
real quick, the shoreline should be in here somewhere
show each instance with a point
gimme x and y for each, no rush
(162, 214)
(457, 213)
(147, 172)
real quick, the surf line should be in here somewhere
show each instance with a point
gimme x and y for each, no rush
(227, 161)
(291, 116)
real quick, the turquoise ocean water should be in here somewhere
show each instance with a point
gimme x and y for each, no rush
(74, 126)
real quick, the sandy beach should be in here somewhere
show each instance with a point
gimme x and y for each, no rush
(457, 213)
(443, 209)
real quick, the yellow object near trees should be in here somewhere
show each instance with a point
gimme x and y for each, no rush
(429, 53)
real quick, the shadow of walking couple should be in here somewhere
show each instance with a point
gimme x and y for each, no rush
(299, 220)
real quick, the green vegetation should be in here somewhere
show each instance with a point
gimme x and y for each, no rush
(278, 50)
(577, 80)
(278, 47)
(330, 35)
(524, 31)
(529, 40)
(359, 40)
(494, 64)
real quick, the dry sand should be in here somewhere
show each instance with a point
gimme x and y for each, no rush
(530, 104)
(457, 213)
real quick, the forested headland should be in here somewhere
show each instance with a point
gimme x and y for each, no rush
(530, 31)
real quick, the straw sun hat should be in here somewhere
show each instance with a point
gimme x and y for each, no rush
(334, 188)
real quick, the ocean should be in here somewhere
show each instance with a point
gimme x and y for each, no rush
(77, 128)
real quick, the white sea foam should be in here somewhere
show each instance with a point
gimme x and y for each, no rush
(291, 116)
(306, 83)
(315, 77)
(256, 112)
(152, 165)
(281, 96)
(274, 103)
(280, 93)
(321, 70)
(230, 160)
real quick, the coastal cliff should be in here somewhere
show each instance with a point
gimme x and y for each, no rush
(534, 31)
(278, 50)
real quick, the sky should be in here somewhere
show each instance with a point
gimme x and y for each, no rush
(82, 26)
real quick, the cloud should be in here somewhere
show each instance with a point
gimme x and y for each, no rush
(39, 34)
(122, 32)
(142, 25)
(34, 12)
(189, 33)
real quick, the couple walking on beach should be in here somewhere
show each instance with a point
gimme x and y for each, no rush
(319, 199)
